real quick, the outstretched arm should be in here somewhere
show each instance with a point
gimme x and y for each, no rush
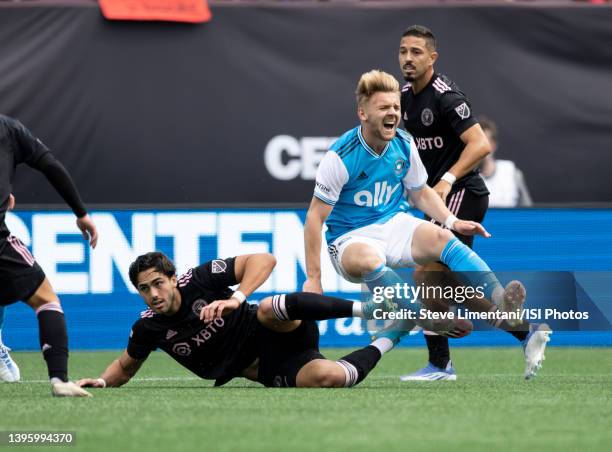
(60, 179)
(118, 373)
(316, 216)
(428, 201)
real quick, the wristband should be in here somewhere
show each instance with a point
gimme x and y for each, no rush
(102, 381)
(448, 177)
(239, 296)
(450, 221)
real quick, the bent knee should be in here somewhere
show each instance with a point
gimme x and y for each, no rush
(265, 310)
(322, 374)
(330, 380)
(359, 259)
(444, 235)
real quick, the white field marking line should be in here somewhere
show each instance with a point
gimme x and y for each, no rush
(370, 378)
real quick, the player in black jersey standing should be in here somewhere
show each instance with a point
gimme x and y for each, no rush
(209, 329)
(451, 145)
(21, 278)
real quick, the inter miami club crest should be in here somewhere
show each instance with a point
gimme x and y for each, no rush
(218, 266)
(427, 117)
(197, 306)
(463, 111)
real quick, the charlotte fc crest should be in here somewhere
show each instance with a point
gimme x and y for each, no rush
(399, 166)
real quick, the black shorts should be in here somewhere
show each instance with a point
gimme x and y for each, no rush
(465, 205)
(282, 355)
(20, 274)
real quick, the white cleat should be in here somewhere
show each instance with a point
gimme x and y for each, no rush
(534, 346)
(513, 301)
(432, 373)
(68, 389)
(9, 371)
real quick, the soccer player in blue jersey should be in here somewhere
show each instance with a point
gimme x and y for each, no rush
(360, 193)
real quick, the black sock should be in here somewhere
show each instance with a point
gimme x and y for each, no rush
(358, 364)
(439, 353)
(54, 340)
(310, 306)
(520, 332)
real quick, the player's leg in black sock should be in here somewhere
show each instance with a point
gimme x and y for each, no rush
(53, 339)
(310, 306)
(439, 352)
(358, 364)
(520, 331)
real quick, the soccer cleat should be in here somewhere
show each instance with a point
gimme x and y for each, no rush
(394, 331)
(534, 346)
(9, 371)
(513, 301)
(370, 306)
(455, 328)
(67, 389)
(432, 373)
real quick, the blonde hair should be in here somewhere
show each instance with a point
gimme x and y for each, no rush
(373, 82)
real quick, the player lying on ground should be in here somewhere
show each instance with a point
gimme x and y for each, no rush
(210, 330)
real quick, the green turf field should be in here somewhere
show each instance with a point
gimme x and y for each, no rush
(567, 407)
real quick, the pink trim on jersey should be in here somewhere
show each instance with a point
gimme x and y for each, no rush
(184, 279)
(459, 201)
(146, 314)
(50, 307)
(21, 249)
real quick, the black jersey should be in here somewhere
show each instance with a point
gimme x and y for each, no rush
(436, 117)
(219, 349)
(17, 145)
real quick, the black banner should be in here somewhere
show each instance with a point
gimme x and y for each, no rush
(242, 108)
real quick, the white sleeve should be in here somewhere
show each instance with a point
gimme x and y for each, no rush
(416, 177)
(331, 177)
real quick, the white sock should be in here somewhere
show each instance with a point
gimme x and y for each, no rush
(358, 309)
(383, 344)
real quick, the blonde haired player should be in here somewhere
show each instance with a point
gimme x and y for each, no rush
(359, 194)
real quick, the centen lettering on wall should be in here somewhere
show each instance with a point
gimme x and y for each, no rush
(73, 268)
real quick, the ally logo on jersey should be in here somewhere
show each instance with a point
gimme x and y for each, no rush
(381, 196)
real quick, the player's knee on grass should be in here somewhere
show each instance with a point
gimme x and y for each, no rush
(321, 373)
(359, 259)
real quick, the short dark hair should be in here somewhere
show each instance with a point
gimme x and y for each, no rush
(159, 261)
(420, 31)
(488, 124)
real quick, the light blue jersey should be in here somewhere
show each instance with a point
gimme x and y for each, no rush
(365, 187)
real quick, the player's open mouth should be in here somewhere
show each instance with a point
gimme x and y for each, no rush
(389, 125)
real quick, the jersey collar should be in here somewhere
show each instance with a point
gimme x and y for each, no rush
(368, 148)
